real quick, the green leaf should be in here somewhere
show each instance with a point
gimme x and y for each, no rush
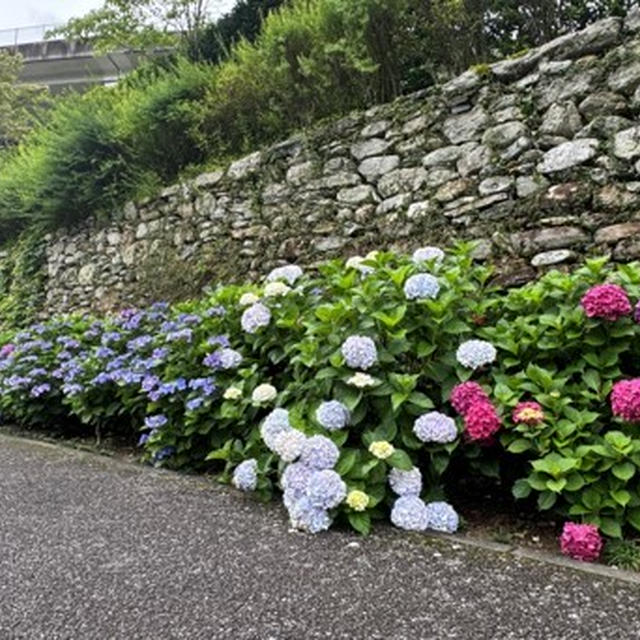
(392, 319)
(555, 465)
(546, 500)
(421, 400)
(400, 460)
(521, 489)
(397, 399)
(520, 445)
(621, 496)
(624, 471)
(611, 527)
(347, 460)
(633, 518)
(556, 485)
(360, 521)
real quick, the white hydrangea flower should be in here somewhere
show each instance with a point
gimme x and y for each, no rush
(255, 317)
(232, 393)
(288, 444)
(476, 353)
(406, 483)
(356, 262)
(426, 254)
(289, 272)
(247, 299)
(276, 289)
(362, 380)
(264, 393)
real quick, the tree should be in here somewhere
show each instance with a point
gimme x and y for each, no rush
(20, 105)
(215, 41)
(138, 24)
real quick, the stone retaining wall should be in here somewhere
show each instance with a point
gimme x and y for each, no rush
(537, 158)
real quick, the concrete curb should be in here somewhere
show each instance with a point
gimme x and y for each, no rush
(602, 571)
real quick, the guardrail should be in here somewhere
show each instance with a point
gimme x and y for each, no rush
(25, 35)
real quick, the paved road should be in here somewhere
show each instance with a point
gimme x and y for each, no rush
(91, 548)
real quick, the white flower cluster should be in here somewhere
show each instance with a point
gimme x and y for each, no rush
(474, 354)
(428, 254)
(289, 272)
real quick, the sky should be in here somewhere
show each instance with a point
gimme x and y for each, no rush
(27, 13)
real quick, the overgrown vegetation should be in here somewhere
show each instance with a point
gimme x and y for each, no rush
(311, 59)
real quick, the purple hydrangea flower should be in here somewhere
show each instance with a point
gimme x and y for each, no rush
(294, 481)
(194, 403)
(181, 335)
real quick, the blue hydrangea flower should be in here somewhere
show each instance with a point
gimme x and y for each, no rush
(294, 481)
(194, 403)
(421, 286)
(245, 475)
(333, 415)
(476, 353)
(155, 422)
(190, 319)
(435, 427)
(428, 254)
(288, 444)
(181, 335)
(406, 483)
(326, 489)
(255, 317)
(442, 517)
(218, 341)
(320, 453)
(229, 358)
(274, 424)
(289, 272)
(143, 439)
(163, 454)
(305, 517)
(359, 352)
(410, 513)
(206, 386)
(72, 389)
(40, 390)
(139, 343)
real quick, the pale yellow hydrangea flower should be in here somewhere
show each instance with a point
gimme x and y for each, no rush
(357, 500)
(381, 449)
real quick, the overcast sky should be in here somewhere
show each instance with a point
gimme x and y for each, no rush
(26, 13)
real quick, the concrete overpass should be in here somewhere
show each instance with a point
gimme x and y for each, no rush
(61, 64)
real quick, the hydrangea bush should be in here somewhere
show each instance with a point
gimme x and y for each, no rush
(362, 391)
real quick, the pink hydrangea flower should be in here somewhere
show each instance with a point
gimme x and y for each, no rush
(530, 413)
(581, 541)
(625, 400)
(466, 394)
(607, 301)
(481, 421)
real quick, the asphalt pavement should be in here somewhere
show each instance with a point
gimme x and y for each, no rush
(95, 548)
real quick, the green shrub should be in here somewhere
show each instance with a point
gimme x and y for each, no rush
(162, 372)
